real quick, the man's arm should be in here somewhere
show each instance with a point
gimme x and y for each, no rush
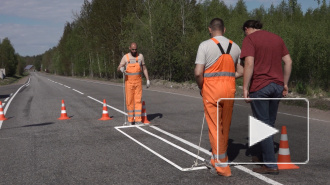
(145, 71)
(287, 72)
(239, 70)
(247, 75)
(199, 75)
(122, 64)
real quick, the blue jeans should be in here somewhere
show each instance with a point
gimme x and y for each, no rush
(266, 111)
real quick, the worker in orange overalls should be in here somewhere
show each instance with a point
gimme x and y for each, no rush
(132, 64)
(215, 74)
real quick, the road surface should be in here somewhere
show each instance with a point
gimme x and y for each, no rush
(37, 148)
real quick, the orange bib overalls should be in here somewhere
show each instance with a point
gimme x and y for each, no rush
(219, 82)
(133, 89)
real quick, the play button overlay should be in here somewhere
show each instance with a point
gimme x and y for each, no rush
(259, 131)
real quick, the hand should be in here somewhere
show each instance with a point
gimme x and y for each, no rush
(122, 69)
(148, 83)
(285, 91)
(246, 96)
(200, 92)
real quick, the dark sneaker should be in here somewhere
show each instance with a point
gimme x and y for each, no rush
(265, 170)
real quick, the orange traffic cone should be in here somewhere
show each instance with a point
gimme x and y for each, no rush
(284, 153)
(144, 114)
(63, 112)
(2, 115)
(105, 114)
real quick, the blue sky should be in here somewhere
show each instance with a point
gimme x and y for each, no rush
(34, 26)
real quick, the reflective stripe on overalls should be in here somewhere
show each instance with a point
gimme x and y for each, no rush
(219, 82)
(133, 88)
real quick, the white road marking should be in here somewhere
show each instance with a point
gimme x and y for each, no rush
(12, 97)
(259, 176)
(78, 91)
(172, 144)
(108, 105)
(6, 99)
(67, 86)
(157, 154)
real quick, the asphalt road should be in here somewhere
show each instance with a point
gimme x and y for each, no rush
(37, 148)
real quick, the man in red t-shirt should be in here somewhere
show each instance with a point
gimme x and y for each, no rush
(263, 53)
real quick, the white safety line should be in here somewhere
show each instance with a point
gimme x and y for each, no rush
(172, 144)
(182, 140)
(108, 105)
(78, 91)
(6, 99)
(12, 97)
(67, 86)
(259, 176)
(159, 155)
(152, 151)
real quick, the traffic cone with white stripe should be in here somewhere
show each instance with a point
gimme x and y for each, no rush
(144, 114)
(105, 114)
(64, 116)
(284, 153)
(2, 115)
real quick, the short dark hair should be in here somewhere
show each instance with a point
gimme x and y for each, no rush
(252, 24)
(217, 24)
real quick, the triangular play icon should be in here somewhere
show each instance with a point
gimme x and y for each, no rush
(259, 131)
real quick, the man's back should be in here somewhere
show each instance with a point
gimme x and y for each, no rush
(267, 49)
(208, 51)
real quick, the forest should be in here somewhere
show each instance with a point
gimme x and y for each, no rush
(169, 32)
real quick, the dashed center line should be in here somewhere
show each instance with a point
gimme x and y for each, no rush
(78, 91)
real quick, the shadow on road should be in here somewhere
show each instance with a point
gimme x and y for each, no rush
(234, 150)
(4, 96)
(40, 124)
(153, 116)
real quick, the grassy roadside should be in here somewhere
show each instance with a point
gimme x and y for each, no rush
(12, 79)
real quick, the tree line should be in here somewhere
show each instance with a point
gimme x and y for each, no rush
(168, 34)
(12, 62)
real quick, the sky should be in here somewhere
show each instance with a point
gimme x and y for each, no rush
(35, 26)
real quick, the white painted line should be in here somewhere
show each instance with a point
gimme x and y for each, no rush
(152, 151)
(108, 105)
(6, 99)
(182, 140)
(257, 175)
(12, 97)
(78, 91)
(3, 105)
(60, 84)
(67, 86)
(172, 144)
(157, 154)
